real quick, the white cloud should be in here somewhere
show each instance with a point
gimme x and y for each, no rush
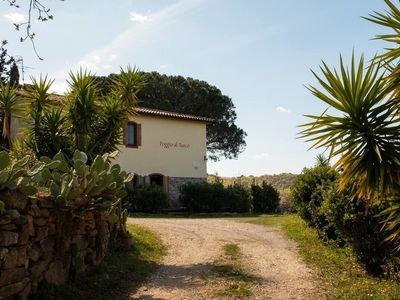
(136, 17)
(163, 67)
(102, 57)
(282, 109)
(96, 62)
(261, 156)
(15, 17)
(59, 87)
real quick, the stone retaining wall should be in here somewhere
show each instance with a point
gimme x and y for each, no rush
(40, 243)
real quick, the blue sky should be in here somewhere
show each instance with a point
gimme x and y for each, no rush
(257, 52)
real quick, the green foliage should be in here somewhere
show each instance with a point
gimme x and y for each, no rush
(17, 175)
(341, 220)
(265, 198)
(213, 197)
(337, 271)
(363, 130)
(365, 134)
(191, 96)
(85, 185)
(237, 199)
(147, 198)
(306, 192)
(8, 69)
(11, 106)
(119, 274)
(85, 119)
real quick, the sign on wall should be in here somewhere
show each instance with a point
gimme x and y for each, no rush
(174, 145)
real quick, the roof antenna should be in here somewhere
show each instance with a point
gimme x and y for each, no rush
(19, 60)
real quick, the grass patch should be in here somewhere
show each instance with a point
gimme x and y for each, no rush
(232, 250)
(337, 269)
(236, 290)
(233, 273)
(236, 282)
(118, 275)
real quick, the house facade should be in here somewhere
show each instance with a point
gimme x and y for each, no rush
(165, 148)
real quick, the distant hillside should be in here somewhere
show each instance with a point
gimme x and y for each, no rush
(280, 181)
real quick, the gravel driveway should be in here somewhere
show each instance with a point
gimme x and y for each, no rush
(194, 246)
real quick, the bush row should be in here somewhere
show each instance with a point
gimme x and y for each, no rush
(343, 220)
(207, 197)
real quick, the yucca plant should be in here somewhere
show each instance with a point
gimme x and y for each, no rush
(362, 130)
(84, 119)
(11, 106)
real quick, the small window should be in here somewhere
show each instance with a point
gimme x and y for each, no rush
(133, 135)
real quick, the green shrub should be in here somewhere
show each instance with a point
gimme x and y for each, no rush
(342, 220)
(307, 191)
(360, 227)
(204, 197)
(147, 198)
(237, 199)
(265, 198)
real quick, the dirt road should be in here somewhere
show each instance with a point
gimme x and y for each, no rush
(195, 245)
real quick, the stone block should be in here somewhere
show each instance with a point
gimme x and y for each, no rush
(24, 234)
(34, 253)
(41, 232)
(13, 213)
(40, 221)
(52, 229)
(34, 210)
(57, 273)
(12, 289)
(31, 228)
(4, 219)
(15, 200)
(3, 252)
(14, 275)
(22, 220)
(47, 244)
(8, 238)
(46, 203)
(8, 227)
(39, 268)
(16, 257)
(80, 241)
(44, 213)
(25, 292)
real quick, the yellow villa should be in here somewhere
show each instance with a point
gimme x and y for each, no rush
(161, 147)
(165, 148)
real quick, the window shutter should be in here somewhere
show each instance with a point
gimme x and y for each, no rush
(139, 134)
(165, 184)
(125, 137)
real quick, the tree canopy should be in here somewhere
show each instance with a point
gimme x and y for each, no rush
(8, 68)
(196, 97)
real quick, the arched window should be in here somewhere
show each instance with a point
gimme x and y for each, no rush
(157, 179)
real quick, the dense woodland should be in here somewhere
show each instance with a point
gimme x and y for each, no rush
(281, 181)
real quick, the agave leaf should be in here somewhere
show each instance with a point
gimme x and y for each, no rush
(4, 160)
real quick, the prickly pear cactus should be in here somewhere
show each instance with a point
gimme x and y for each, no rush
(81, 185)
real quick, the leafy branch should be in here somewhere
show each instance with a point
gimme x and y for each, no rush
(43, 14)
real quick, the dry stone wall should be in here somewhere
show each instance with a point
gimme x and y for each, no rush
(41, 243)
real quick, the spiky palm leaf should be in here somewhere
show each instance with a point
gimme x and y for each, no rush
(82, 105)
(364, 130)
(11, 105)
(126, 86)
(390, 58)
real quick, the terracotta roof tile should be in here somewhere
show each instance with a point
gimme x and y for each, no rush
(169, 114)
